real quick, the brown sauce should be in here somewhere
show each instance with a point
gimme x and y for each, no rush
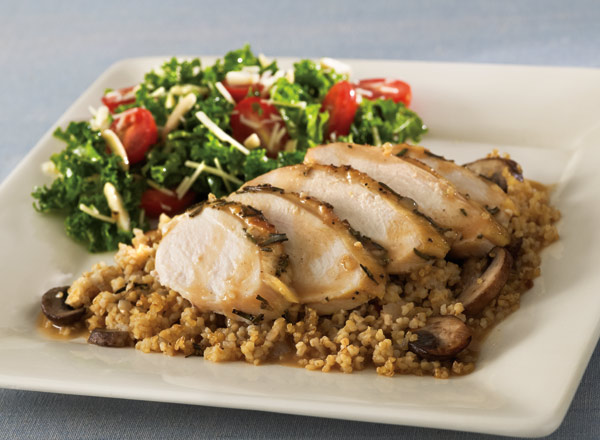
(65, 333)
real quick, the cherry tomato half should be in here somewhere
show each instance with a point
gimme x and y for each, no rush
(119, 97)
(340, 101)
(137, 130)
(386, 88)
(155, 202)
(256, 115)
(238, 93)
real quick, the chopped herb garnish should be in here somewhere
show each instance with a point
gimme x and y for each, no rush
(264, 304)
(250, 237)
(196, 209)
(249, 211)
(423, 255)
(479, 236)
(369, 274)
(198, 350)
(256, 108)
(463, 212)
(493, 210)
(261, 188)
(282, 265)
(274, 238)
(247, 316)
(402, 152)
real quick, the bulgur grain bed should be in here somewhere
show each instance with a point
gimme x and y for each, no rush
(126, 296)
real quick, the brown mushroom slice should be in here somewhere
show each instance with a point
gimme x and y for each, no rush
(492, 168)
(480, 290)
(442, 338)
(56, 310)
(110, 338)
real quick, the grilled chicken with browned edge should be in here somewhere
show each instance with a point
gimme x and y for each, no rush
(225, 257)
(333, 269)
(370, 207)
(435, 196)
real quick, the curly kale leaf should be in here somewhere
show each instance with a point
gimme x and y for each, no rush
(383, 120)
(84, 167)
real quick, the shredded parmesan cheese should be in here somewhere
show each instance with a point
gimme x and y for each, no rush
(184, 89)
(187, 182)
(162, 189)
(267, 79)
(364, 92)
(216, 130)
(170, 101)
(252, 141)
(92, 211)
(289, 75)
(115, 203)
(220, 168)
(290, 146)
(158, 92)
(263, 60)
(184, 105)
(333, 64)
(242, 78)
(221, 88)
(299, 104)
(49, 169)
(115, 145)
(376, 137)
(101, 119)
(214, 171)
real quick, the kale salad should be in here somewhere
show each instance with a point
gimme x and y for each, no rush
(189, 130)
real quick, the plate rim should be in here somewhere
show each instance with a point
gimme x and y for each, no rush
(548, 422)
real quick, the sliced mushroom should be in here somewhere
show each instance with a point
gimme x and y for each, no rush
(492, 169)
(442, 338)
(110, 338)
(56, 310)
(480, 290)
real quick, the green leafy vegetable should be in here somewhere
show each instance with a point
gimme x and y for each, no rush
(383, 120)
(85, 165)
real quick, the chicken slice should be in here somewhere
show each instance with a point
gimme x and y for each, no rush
(331, 269)
(436, 196)
(471, 185)
(369, 207)
(225, 257)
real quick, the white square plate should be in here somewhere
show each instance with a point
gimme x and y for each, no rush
(548, 119)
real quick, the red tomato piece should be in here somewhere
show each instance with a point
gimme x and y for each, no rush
(119, 97)
(137, 130)
(256, 115)
(155, 202)
(238, 93)
(341, 103)
(386, 88)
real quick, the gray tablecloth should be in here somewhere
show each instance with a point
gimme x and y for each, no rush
(51, 51)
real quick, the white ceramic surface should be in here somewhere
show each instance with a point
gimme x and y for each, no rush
(548, 119)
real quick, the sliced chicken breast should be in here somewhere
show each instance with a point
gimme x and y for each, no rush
(471, 185)
(225, 257)
(436, 196)
(332, 268)
(370, 208)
